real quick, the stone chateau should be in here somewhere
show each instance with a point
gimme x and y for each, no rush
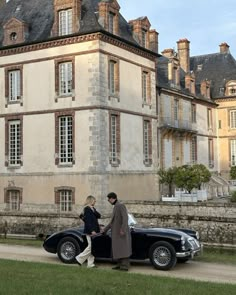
(89, 105)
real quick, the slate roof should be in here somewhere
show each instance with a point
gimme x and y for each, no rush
(39, 15)
(219, 68)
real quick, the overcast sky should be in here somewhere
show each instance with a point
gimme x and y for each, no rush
(205, 23)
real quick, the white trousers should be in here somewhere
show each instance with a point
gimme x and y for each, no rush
(86, 254)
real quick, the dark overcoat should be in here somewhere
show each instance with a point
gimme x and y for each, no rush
(121, 244)
(90, 219)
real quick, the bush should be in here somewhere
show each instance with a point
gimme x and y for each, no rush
(233, 172)
(233, 196)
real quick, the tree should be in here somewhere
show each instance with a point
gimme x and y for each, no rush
(233, 172)
(189, 177)
(167, 177)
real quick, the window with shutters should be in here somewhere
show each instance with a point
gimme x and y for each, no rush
(65, 144)
(13, 84)
(209, 118)
(14, 141)
(64, 77)
(13, 198)
(114, 138)
(113, 77)
(232, 119)
(233, 152)
(211, 152)
(65, 198)
(147, 142)
(146, 87)
(194, 150)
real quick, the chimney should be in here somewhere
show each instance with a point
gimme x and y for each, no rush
(190, 83)
(153, 40)
(205, 88)
(224, 48)
(168, 52)
(183, 52)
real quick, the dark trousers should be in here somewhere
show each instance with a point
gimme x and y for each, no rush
(123, 262)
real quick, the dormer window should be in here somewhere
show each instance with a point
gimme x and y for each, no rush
(13, 36)
(141, 29)
(109, 15)
(205, 88)
(15, 32)
(67, 16)
(199, 67)
(144, 38)
(231, 88)
(65, 22)
(111, 22)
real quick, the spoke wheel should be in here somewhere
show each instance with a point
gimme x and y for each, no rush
(68, 249)
(162, 255)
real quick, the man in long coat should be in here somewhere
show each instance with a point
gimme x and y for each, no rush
(120, 233)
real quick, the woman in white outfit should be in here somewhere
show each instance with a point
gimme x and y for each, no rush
(91, 227)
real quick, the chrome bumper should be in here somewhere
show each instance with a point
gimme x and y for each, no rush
(190, 254)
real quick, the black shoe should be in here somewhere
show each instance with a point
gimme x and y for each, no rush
(117, 267)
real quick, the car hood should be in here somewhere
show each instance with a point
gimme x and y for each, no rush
(160, 231)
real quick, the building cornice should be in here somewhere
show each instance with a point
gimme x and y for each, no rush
(74, 39)
(84, 108)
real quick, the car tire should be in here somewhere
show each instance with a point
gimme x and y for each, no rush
(162, 255)
(67, 249)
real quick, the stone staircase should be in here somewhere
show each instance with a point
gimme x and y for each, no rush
(217, 187)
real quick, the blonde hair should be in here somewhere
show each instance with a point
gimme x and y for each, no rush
(89, 200)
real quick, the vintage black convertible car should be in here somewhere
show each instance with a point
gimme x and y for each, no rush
(163, 246)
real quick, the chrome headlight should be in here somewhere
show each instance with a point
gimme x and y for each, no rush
(183, 242)
(197, 235)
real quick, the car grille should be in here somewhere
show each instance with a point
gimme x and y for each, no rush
(193, 243)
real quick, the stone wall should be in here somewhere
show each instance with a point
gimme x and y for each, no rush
(216, 223)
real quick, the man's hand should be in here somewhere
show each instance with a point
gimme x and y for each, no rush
(122, 232)
(93, 233)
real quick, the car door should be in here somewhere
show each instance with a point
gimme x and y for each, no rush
(101, 245)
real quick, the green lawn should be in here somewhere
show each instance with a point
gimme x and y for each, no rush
(26, 278)
(218, 255)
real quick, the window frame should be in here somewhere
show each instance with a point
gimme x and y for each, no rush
(7, 197)
(114, 138)
(70, 140)
(68, 204)
(232, 119)
(194, 150)
(147, 141)
(232, 152)
(18, 88)
(146, 86)
(113, 77)
(209, 119)
(58, 77)
(67, 27)
(211, 152)
(17, 142)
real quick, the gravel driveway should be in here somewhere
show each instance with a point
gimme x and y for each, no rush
(191, 270)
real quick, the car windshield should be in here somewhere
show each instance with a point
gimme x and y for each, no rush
(131, 220)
